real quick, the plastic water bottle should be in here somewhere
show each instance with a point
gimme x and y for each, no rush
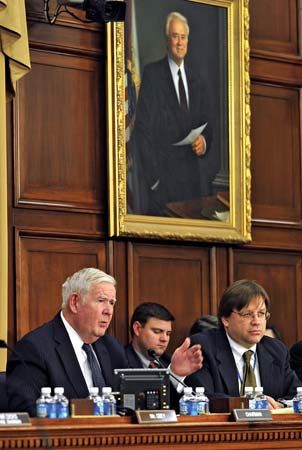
(185, 402)
(109, 401)
(61, 403)
(98, 405)
(43, 402)
(202, 401)
(297, 401)
(261, 401)
(249, 393)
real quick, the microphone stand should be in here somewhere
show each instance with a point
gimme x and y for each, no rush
(154, 356)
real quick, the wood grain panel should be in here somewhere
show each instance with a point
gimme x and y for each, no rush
(276, 158)
(280, 275)
(177, 277)
(273, 25)
(59, 160)
(43, 265)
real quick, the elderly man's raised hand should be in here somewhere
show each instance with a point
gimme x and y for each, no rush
(186, 360)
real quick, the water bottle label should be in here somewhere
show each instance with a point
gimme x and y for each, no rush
(252, 403)
(297, 406)
(193, 408)
(98, 409)
(184, 408)
(261, 404)
(62, 411)
(109, 408)
(52, 410)
(42, 410)
(202, 407)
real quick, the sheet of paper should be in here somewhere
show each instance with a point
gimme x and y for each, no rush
(190, 138)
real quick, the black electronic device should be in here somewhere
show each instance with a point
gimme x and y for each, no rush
(143, 388)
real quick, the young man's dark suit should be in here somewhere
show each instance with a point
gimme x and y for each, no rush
(219, 372)
(160, 123)
(45, 357)
(135, 363)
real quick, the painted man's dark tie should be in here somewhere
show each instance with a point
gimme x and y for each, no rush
(96, 371)
(249, 378)
(182, 93)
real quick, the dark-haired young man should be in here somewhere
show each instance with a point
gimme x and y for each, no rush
(238, 354)
(150, 328)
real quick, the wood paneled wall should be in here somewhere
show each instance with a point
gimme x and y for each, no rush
(58, 188)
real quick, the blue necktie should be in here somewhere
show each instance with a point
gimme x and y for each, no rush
(96, 371)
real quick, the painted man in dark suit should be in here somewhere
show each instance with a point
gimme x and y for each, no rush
(172, 101)
(72, 350)
(243, 312)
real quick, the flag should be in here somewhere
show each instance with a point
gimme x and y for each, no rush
(132, 85)
(14, 63)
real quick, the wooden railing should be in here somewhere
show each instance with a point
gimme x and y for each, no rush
(215, 432)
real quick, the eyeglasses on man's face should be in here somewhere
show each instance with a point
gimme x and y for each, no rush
(262, 315)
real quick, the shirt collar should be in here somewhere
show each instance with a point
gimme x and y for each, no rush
(73, 335)
(174, 67)
(145, 361)
(238, 349)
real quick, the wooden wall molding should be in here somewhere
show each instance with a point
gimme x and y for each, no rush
(276, 155)
(58, 153)
(274, 25)
(42, 266)
(280, 274)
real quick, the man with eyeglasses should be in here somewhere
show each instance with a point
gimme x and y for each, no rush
(173, 100)
(73, 350)
(238, 354)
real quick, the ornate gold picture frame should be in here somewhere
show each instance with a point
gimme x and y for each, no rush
(179, 170)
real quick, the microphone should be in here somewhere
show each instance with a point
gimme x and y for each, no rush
(154, 356)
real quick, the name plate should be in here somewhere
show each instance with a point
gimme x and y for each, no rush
(156, 415)
(14, 419)
(252, 415)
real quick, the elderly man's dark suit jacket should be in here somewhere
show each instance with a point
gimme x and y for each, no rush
(45, 357)
(135, 362)
(161, 122)
(219, 373)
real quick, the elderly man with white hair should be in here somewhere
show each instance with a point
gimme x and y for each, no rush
(73, 350)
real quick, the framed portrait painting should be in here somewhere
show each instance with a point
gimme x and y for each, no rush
(178, 113)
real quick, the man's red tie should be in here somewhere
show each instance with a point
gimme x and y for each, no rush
(153, 365)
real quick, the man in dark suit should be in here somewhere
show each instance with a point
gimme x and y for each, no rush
(172, 102)
(150, 328)
(243, 312)
(72, 350)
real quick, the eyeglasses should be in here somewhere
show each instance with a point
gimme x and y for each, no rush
(262, 315)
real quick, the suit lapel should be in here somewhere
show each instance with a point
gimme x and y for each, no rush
(226, 364)
(68, 359)
(267, 368)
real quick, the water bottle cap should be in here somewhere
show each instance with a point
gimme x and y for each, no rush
(45, 390)
(94, 390)
(299, 389)
(199, 390)
(106, 390)
(59, 390)
(188, 390)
